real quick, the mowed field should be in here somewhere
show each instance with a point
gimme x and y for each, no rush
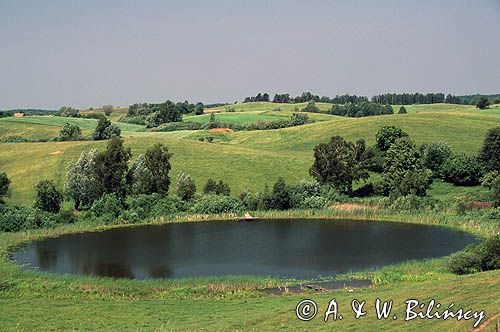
(247, 160)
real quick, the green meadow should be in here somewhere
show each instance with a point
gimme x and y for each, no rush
(237, 118)
(246, 160)
(266, 154)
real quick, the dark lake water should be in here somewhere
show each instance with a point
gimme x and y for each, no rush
(288, 248)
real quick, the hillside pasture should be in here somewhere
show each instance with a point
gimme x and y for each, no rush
(235, 118)
(246, 160)
(464, 132)
(43, 126)
(265, 106)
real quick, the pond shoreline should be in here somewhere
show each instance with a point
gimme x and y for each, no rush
(11, 241)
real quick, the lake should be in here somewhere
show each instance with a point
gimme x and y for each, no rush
(282, 248)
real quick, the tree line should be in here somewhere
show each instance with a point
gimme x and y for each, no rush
(305, 97)
(386, 98)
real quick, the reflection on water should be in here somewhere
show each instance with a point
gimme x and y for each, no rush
(297, 248)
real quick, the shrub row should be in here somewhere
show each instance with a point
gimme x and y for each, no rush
(18, 218)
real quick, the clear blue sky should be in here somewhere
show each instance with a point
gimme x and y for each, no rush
(89, 53)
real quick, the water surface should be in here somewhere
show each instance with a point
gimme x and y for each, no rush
(287, 248)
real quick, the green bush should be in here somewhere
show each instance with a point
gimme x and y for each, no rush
(483, 257)
(17, 218)
(465, 262)
(314, 202)
(250, 200)
(490, 253)
(168, 206)
(216, 204)
(13, 139)
(435, 155)
(154, 206)
(302, 190)
(108, 206)
(66, 217)
(13, 218)
(138, 119)
(462, 170)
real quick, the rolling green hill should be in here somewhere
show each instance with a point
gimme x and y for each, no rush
(49, 126)
(265, 106)
(236, 118)
(245, 159)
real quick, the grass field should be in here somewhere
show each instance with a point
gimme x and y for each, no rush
(236, 118)
(265, 106)
(49, 126)
(264, 154)
(32, 301)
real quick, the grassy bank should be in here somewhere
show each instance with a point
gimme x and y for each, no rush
(43, 301)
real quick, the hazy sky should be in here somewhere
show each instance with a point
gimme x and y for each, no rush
(89, 53)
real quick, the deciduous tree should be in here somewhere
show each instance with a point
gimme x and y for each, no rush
(339, 163)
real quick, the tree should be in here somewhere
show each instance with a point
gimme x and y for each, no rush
(311, 107)
(163, 113)
(212, 118)
(70, 132)
(108, 109)
(139, 178)
(112, 167)
(435, 155)
(4, 185)
(404, 172)
(185, 187)
(217, 188)
(482, 102)
(83, 184)
(68, 112)
(402, 110)
(298, 119)
(491, 180)
(490, 152)
(199, 109)
(48, 198)
(105, 130)
(210, 186)
(280, 196)
(339, 163)
(387, 135)
(463, 170)
(157, 160)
